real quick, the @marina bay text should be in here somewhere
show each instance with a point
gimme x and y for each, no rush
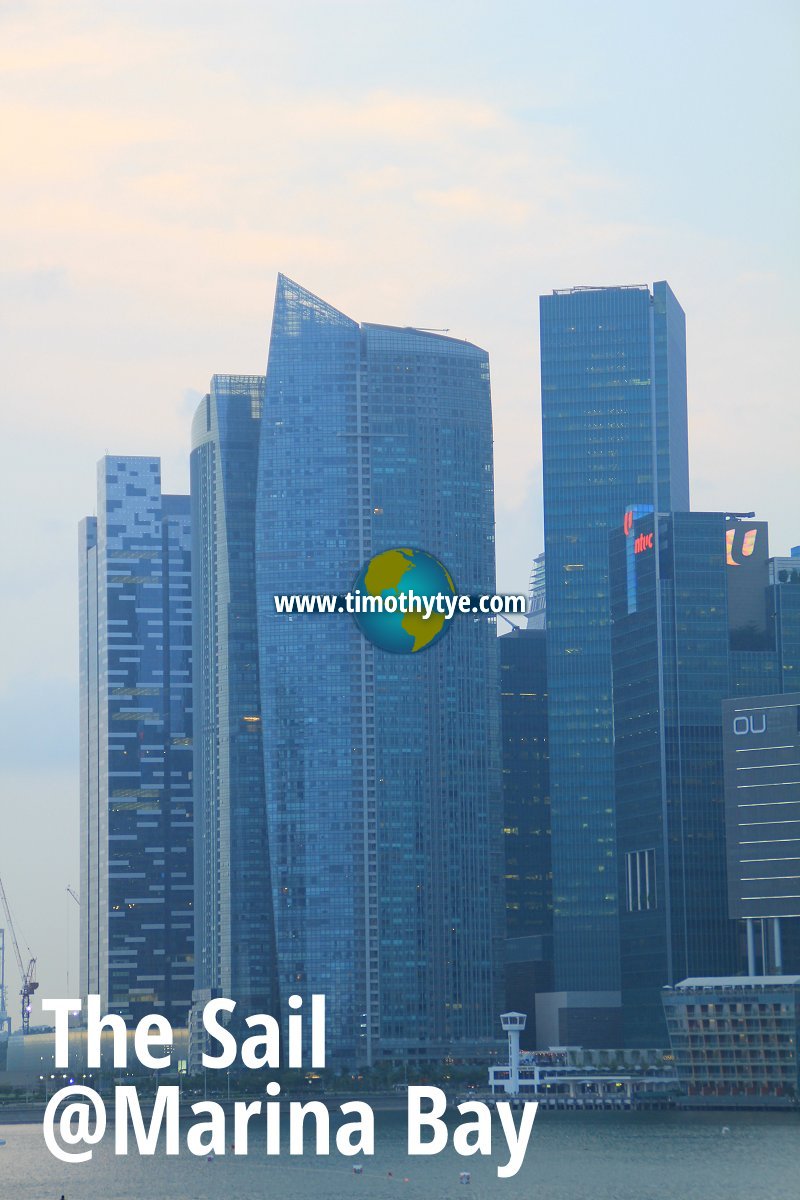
(77, 1116)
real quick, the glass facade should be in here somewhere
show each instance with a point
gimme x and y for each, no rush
(526, 785)
(761, 738)
(678, 595)
(382, 771)
(526, 822)
(614, 436)
(137, 919)
(235, 939)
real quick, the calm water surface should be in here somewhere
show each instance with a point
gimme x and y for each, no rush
(571, 1156)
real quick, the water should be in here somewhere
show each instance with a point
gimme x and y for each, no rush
(571, 1156)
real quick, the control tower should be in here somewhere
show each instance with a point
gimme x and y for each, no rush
(513, 1023)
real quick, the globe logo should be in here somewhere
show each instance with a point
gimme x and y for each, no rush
(401, 572)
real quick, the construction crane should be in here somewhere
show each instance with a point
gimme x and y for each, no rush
(74, 895)
(5, 1019)
(27, 974)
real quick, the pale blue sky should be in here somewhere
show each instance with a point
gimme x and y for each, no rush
(438, 164)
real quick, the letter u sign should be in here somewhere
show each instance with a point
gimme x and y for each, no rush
(744, 725)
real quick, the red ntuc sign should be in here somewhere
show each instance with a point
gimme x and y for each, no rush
(644, 541)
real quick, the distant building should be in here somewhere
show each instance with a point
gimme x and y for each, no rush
(695, 621)
(761, 738)
(31, 1060)
(571, 1078)
(537, 595)
(235, 928)
(613, 435)
(136, 812)
(526, 819)
(735, 1040)
(382, 771)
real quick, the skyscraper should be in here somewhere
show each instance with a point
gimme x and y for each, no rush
(382, 771)
(696, 620)
(526, 821)
(235, 938)
(614, 436)
(137, 919)
(761, 739)
(526, 790)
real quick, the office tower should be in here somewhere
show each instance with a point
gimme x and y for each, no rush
(614, 436)
(382, 770)
(761, 739)
(137, 920)
(696, 620)
(537, 593)
(235, 941)
(526, 821)
(784, 579)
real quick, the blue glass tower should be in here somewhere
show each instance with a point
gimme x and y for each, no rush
(137, 919)
(235, 939)
(614, 436)
(526, 821)
(526, 784)
(700, 614)
(382, 771)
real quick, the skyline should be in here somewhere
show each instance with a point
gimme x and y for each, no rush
(412, 178)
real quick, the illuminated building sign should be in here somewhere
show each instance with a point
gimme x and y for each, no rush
(746, 558)
(635, 545)
(739, 544)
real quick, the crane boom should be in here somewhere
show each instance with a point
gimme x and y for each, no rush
(27, 974)
(5, 1020)
(14, 941)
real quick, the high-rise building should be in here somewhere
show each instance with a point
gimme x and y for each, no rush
(137, 919)
(526, 792)
(761, 738)
(382, 770)
(235, 938)
(614, 436)
(537, 593)
(695, 620)
(526, 821)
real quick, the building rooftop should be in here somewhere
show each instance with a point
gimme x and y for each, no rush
(734, 981)
(601, 287)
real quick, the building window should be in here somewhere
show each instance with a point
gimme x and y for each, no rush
(640, 875)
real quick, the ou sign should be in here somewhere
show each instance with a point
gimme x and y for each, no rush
(745, 725)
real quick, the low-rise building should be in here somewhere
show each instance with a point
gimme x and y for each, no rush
(734, 1039)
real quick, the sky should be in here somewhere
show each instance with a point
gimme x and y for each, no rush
(434, 164)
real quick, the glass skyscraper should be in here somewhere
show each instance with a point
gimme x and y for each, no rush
(137, 919)
(700, 614)
(526, 785)
(614, 436)
(235, 939)
(526, 821)
(382, 771)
